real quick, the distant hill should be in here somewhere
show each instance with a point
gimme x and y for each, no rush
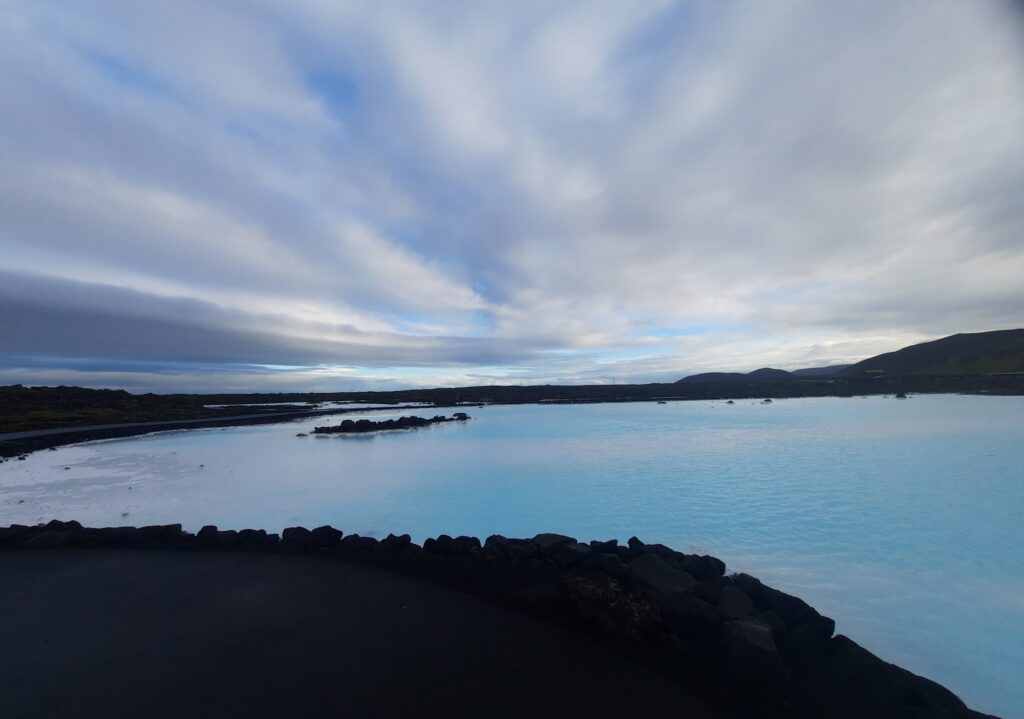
(765, 374)
(758, 375)
(977, 353)
(769, 373)
(819, 371)
(713, 377)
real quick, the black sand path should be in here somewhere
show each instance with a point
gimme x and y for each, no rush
(99, 633)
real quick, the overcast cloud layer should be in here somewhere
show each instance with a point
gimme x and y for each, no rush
(329, 195)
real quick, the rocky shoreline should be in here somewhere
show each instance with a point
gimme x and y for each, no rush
(361, 426)
(748, 648)
(14, 445)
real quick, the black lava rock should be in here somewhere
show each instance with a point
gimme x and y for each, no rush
(325, 537)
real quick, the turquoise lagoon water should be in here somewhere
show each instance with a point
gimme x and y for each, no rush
(904, 520)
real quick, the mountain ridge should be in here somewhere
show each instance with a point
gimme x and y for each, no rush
(765, 374)
(971, 353)
(962, 354)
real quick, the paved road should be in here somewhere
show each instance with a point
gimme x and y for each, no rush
(122, 633)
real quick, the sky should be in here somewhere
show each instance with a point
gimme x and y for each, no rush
(323, 195)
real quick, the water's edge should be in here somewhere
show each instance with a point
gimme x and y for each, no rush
(21, 444)
(749, 648)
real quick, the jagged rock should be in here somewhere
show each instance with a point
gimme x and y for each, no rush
(325, 537)
(802, 646)
(207, 536)
(773, 620)
(571, 553)
(253, 538)
(226, 538)
(610, 564)
(396, 543)
(161, 535)
(735, 603)
(870, 687)
(465, 545)
(689, 617)
(604, 601)
(710, 590)
(447, 546)
(294, 539)
(55, 525)
(549, 542)
(519, 549)
(442, 545)
(669, 554)
(496, 545)
(354, 545)
(793, 610)
(751, 658)
(704, 567)
(540, 572)
(657, 574)
(111, 536)
(602, 547)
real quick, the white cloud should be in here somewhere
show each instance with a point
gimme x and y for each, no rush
(560, 188)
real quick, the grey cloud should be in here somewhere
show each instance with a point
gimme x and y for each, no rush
(50, 317)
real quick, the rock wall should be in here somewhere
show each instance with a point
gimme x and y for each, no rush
(753, 650)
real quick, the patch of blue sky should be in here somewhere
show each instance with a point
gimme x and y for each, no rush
(664, 33)
(482, 322)
(626, 355)
(275, 367)
(567, 352)
(405, 373)
(338, 91)
(123, 73)
(687, 330)
(243, 131)
(468, 324)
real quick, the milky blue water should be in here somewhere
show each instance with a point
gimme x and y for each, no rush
(903, 519)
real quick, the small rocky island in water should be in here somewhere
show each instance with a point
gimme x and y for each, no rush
(358, 426)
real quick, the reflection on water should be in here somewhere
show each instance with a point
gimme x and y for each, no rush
(902, 519)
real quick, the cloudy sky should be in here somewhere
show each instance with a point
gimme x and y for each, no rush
(329, 195)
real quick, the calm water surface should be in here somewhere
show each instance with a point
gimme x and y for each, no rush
(904, 520)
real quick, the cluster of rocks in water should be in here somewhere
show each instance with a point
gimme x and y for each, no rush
(357, 426)
(753, 650)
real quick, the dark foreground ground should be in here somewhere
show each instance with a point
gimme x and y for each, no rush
(157, 621)
(134, 633)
